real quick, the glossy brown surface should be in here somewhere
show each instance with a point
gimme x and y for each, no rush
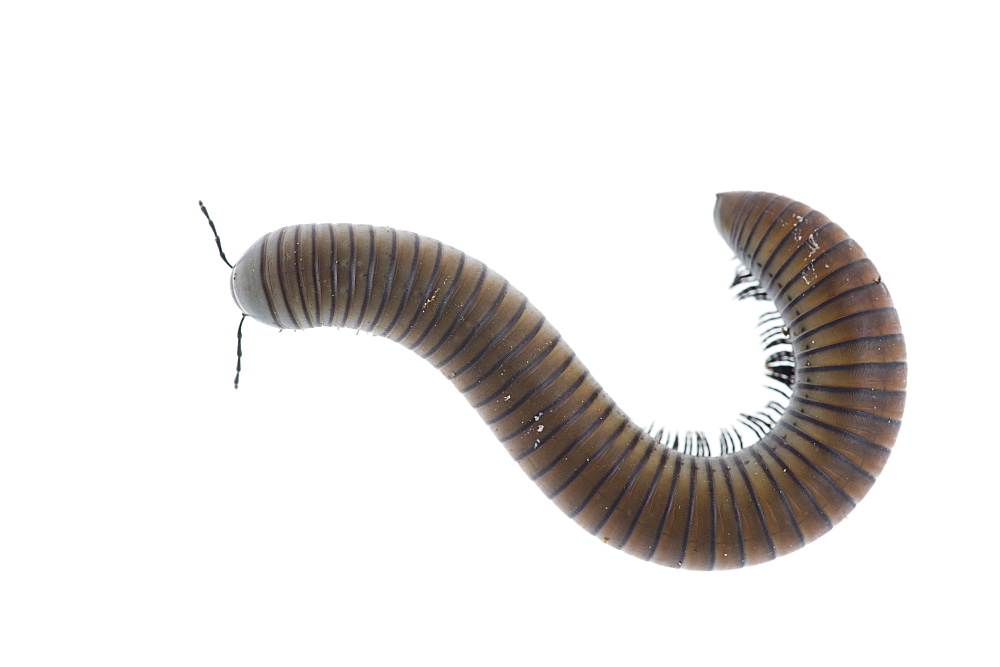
(567, 434)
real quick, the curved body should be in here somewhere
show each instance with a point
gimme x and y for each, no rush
(568, 435)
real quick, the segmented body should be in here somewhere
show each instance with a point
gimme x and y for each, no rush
(612, 477)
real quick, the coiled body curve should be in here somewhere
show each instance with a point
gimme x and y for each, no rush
(611, 476)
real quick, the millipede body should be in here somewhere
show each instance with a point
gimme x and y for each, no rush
(846, 374)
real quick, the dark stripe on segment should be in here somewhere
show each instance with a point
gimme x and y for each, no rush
(544, 440)
(317, 301)
(390, 276)
(737, 512)
(779, 493)
(792, 256)
(279, 261)
(860, 414)
(442, 303)
(474, 332)
(737, 235)
(816, 284)
(407, 286)
(744, 243)
(540, 386)
(459, 317)
(609, 473)
(431, 286)
(602, 448)
(666, 509)
(841, 320)
(860, 392)
(692, 497)
(352, 274)
(576, 442)
(756, 504)
(792, 322)
(299, 278)
(842, 458)
(886, 338)
(770, 445)
(819, 472)
(548, 408)
(737, 220)
(847, 367)
(527, 368)
(333, 274)
(510, 353)
(499, 335)
(765, 268)
(629, 483)
(778, 243)
(660, 466)
(838, 430)
(763, 236)
(713, 509)
(740, 217)
(369, 278)
(265, 288)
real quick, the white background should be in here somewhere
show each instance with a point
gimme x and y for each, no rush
(345, 506)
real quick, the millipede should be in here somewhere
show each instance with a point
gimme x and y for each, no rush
(785, 476)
